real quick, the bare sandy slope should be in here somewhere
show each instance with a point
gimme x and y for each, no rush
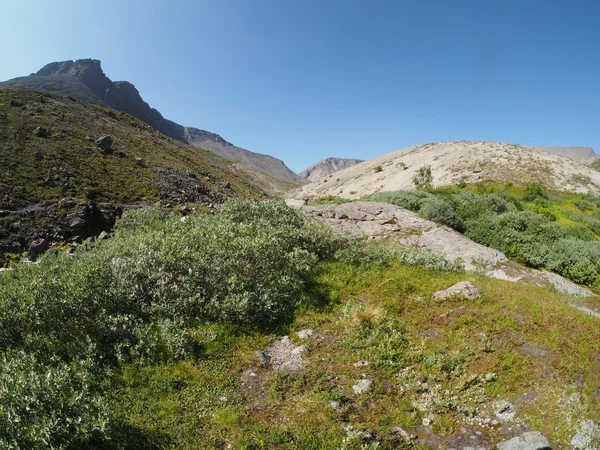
(452, 162)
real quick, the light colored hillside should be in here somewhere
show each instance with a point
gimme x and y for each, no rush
(453, 162)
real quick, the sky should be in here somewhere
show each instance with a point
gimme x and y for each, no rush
(303, 80)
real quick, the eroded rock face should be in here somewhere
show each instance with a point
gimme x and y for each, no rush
(379, 221)
(384, 221)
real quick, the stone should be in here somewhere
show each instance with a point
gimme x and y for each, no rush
(78, 223)
(263, 358)
(38, 155)
(140, 161)
(463, 289)
(362, 386)
(59, 135)
(304, 334)
(15, 102)
(532, 440)
(588, 437)
(334, 404)
(223, 399)
(477, 169)
(361, 363)
(89, 138)
(299, 350)
(103, 235)
(40, 132)
(39, 245)
(404, 434)
(285, 357)
(104, 143)
(227, 185)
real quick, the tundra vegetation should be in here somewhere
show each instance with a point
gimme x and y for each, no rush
(553, 231)
(143, 340)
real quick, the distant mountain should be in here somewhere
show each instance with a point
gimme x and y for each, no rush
(326, 167)
(455, 162)
(583, 155)
(84, 80)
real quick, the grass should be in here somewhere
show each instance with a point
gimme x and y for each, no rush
(445, 361)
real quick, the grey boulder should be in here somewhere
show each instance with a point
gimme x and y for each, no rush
(532, 440)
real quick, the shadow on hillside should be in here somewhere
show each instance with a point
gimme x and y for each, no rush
(124, 436)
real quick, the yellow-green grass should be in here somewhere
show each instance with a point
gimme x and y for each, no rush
(535, 344)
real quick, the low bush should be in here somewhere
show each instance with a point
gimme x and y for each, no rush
(531, 235)
(142, 296)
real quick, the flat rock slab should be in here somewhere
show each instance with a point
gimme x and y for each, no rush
(463, 289)
(384, 221)
(532, 440)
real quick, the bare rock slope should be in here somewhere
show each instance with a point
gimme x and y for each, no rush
(453, 162)
(327, 167)
(383, 221)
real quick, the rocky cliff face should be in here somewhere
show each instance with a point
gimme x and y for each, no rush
(326, 167)
(85, 80)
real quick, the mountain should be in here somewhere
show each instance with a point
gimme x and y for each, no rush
(85, 80)
(455, 162)
(326, 167)
(583, 155)
(57, 182)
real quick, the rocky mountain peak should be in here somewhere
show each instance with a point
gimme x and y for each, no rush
(326, 167)
(88, 71)
(85, 80)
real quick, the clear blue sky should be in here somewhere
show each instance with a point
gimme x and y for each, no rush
(306, 79)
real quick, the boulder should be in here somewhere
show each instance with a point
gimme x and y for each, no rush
(532, 440)
(463, 289)
(588, 437)
(103, 235)
(39, 245)
(40, 132)
(104, 143)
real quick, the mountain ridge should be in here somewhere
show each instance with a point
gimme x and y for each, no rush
(326, 167)
(85, 80)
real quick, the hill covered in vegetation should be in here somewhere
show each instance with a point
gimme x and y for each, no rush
(85, 80)
(60, 181)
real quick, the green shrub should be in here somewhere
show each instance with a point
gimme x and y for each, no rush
(423, 179)
(49, 404)
(441, 212)
(533, 191)
(411, 200)
(472, 206)
(378, 169)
